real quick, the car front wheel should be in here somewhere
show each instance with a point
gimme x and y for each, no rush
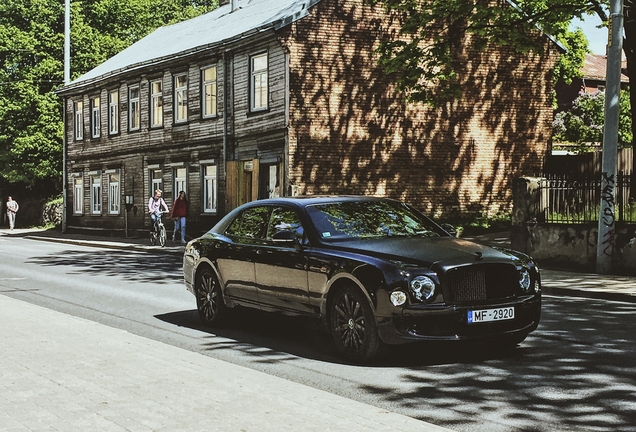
(210, 303)
(353, 326)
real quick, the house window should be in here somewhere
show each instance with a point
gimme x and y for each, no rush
(156, 104)
(208, 87)
(79, 120)
(180, 175)
(113, 112)
(209, 188)
(258, 82)
(156, 180)
(181, 98)
(78, 195)
(96, 193)
(113, 193)
(95, 118)
(134, 118)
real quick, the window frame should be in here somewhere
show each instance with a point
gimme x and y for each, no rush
(134, 108)
(180, 92)
(114, 192)
(212, 95)
(258, 82)
(210, 182)
(156, 104)
(155, 182)
(78, 194)
(178, 181)
(96, 193)
(96, 117)
(113, 112)
(78, 122)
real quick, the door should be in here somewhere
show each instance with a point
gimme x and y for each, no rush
(281, 269)
(237, 268)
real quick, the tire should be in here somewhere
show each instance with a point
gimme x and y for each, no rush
(153, 238)
(210, 304)
(162, 235)
(352, 325)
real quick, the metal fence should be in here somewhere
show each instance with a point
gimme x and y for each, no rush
(567, 199)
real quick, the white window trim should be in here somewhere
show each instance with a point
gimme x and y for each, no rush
(183, 92)
(155, 183)
(214, 183)
(204, 92)
(96, 210)
(78, 124)
(179, 183)
(96, 117)
(154, 107)
(259, 78)
(114, 193)
(113, 113)
(78, 194)
(134, 109)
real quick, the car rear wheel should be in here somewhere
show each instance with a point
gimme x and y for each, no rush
(210, 303)
(352, 325)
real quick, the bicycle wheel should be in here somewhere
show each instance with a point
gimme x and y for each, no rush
(162, 235)
(153, 238)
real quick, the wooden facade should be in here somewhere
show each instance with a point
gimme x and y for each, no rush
(334, 124)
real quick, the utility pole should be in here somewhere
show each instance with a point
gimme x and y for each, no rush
(67, 80)
(606, 243)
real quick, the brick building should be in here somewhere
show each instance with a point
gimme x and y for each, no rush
(285, 97)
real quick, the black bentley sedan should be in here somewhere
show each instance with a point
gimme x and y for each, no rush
(374, 270)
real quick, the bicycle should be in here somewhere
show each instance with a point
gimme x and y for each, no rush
(159, 231)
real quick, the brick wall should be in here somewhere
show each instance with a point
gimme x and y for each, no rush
(352, 132)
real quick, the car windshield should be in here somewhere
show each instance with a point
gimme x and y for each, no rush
(368, 219)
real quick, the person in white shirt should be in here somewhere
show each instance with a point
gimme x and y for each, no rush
(155, 204)
(12, 209)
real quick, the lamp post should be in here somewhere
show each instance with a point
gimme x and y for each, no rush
(607, 216)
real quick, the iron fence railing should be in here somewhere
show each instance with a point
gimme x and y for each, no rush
(566, 199)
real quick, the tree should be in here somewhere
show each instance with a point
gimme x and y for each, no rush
(32, 67)
(583, 123)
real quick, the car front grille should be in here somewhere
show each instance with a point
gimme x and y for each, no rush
(481, 282)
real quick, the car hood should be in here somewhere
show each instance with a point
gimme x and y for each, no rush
(427, 251)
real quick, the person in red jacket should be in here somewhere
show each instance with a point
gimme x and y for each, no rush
(179, 213)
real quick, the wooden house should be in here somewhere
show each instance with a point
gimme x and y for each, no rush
(260, 98)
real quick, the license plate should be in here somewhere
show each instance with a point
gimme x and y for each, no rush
(485, 315)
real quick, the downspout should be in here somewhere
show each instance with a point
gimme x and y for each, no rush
(226, 111)
(64, 177)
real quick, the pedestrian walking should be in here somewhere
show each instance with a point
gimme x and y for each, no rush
(12, 209)
(178, 214)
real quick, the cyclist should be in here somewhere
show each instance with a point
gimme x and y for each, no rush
(155, 204)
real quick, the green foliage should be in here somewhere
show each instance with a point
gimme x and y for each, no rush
(422, 58)
(32, 67)
(583, 124)
(570, 63)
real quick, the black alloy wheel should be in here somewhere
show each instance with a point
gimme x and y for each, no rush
(353, 326)
(210, 303)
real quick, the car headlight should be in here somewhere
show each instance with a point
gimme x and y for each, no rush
(398, 298)
(422, 288)
(524, 280)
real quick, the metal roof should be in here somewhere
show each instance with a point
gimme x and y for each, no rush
(214, 28)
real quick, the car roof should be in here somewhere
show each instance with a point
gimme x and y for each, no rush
(309, 200)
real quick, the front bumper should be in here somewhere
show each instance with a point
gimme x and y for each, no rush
(450, 322)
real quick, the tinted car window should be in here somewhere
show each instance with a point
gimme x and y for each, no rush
(285, 219)
(252, 223)
(368, 219)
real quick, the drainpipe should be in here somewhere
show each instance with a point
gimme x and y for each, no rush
(64, 178)
(234, 5)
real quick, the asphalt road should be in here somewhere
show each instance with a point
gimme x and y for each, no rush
(576, 372)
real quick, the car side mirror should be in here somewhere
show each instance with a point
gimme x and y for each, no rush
(286, 237)
(449, 229)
